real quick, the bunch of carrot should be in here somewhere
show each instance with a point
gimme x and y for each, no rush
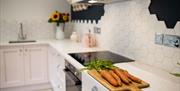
(117, 77)
(114, 75)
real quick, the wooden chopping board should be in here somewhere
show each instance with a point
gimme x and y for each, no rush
(131, 87)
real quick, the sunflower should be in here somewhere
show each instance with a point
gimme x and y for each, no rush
(55, 16)
(58, 18)
(65, 18)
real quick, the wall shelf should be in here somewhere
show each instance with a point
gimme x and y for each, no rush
(93, 13)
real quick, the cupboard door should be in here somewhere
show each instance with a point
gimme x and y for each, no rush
(52, 65)
(57, 75)
(11, 66)
(36, 64)
(60, 66)
(60, 72)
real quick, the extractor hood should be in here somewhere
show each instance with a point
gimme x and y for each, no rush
(101, 1)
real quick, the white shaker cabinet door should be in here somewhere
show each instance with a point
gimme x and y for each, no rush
(56, 66)
(35, 57)
(11, 66)
(51, 60)
(60, 73)
(52, 67)
(60, 65)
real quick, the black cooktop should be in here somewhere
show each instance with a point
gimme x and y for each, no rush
(85, 57)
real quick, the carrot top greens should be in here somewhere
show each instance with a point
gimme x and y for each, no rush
(99, 64)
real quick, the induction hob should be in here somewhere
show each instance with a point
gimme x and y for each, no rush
(84, 57)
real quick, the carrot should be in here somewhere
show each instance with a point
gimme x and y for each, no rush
(116, 77)
(106, 75)
(123, 77)
(133, 78)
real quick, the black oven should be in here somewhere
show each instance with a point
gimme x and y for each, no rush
(73, 77)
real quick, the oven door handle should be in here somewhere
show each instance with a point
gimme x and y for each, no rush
(72, 76)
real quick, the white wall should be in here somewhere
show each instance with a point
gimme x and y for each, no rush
(129, 29)
(33, 13)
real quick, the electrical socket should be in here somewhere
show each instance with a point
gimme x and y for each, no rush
(159, 38)
(97, 30)
(171, 41)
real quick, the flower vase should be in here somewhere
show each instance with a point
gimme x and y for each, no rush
(59, 33)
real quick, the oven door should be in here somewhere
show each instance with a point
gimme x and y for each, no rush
(72, 82)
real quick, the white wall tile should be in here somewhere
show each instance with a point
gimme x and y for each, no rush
(33, 14)
(129, 29)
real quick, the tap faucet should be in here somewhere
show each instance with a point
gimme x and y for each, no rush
(21, 35)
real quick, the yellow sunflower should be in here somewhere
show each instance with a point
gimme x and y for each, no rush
(55, 16)
(65, 18)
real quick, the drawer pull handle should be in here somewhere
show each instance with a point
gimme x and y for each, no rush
(20, 50)
(58, 66)
(94, 88)
(59, 86)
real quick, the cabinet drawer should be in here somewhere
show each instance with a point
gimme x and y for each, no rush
(60, 73)
(58, 85)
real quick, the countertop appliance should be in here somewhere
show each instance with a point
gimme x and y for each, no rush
(84, 57)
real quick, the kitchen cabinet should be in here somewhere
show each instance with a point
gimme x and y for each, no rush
(90, 84)
(56, 73)
(35, 59)
(23, 65)
(11, 66)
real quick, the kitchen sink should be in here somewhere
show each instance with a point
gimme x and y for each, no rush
(22, 41)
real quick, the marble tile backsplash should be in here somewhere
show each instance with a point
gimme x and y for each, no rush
(35, 29)
(33, 14)
(127, 28)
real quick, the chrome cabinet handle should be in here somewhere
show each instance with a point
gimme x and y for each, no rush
(57, 54)
(76, 72)
(58, 66)
(59, 86)
(20, 50)
(94, 88)
(26, 50)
